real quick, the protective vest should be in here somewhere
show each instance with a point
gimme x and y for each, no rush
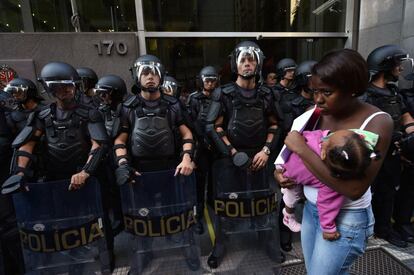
(152, 134)
(285, 97)
(389, 102)
(247, 125)
(67, 141)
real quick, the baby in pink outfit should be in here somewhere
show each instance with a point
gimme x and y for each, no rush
(347, 153)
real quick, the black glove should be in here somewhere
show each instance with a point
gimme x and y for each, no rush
(241, 160)
(124, 173)
(13, 184)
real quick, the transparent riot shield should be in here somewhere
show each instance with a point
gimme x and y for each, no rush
(159, 211)
(245, 217)
(62, 231)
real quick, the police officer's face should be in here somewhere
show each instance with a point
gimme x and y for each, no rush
(64, 92)
(271, 79)
(290, 74)
(209, 84)
(247, 65)
(149, 79)
(397, 70)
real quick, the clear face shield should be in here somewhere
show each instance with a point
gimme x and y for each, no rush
(250, 53)
(170, 88)
(146, 68)
(209, 82)
(103, 92)
(64, 90)
(19, 93)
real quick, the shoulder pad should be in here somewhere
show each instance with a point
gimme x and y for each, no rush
(30, 118)
(131, 102)
(228, 88)
(17, 116)
(83, 111)
(193, 94)
(45, 112)
(94, 115)
(216, 94)
(169, 99)
(264, 89)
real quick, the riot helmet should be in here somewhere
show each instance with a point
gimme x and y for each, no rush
(208, 74)
(60, 80)
(303, 73)
(385, 59)
(285, 65)
(144, 65)
(22, 89)
(170, 86)
(110, 87)
(88, 77)
(246, 49)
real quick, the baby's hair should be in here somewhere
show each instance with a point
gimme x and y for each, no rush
(351, 159)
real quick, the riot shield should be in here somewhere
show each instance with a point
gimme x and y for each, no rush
(62, 231)
(159, 211)
(245, 215)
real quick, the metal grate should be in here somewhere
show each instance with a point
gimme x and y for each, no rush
(375, 261)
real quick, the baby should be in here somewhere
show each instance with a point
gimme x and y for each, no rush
(347, 154)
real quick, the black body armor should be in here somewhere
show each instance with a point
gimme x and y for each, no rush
(388, 101)
(285, 97)
(246, 127)
(202, 104)
(152, 135)
(408, 96)
(67, 142)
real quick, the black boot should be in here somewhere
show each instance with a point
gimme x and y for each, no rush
(216, 255)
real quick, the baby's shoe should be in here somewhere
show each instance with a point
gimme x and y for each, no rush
(290, 221)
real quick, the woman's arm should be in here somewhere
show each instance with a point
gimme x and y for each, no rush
(355, 188)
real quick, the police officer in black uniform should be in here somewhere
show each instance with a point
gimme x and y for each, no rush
(146, 139)
(302, 83)
(11, 258)
(384, 65)
(89, 79)
(404, 203)
(74, 135)
(197, 106)
(111, 90)
(27, 100)
(242, 124)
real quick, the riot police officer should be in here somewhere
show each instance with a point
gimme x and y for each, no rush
(11, 258)
(25, 94)
(146, 140)
(170, 86)
(404, 203)
(198, 103)
(302, 83)
(74, 134)
(242, 124)
(88, 81)
(111, 90)
(384, 64)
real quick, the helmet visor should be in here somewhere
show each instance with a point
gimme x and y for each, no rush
(145, 68)
(102, 91)
(209, 78)
(62, 89)
(16, 91)
(252, 52)
(170, 87)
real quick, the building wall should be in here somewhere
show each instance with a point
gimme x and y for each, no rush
(27, 53)
(386, 22)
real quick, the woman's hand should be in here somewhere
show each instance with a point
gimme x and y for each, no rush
(331, 236)
(295, 142)
(283, 182)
